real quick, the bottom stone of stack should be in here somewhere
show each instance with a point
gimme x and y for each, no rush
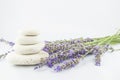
(34, 59)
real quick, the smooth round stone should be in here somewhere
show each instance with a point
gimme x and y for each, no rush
(18, 59)
(28, 49)
(28, 40)
(30, 32)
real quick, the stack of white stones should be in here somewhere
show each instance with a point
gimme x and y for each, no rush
(28, 49)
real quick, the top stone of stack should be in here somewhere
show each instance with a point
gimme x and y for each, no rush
(30, 32)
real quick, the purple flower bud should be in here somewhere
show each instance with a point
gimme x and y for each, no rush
(11, 43)
(35, 67)
(72, 65)
(71, 52)
(49, 64)
(96, 53)
(61, 60)
(45, 49)
(96, 47)
(79, 55)
(82, 51)
(58, 68)
(97, 63)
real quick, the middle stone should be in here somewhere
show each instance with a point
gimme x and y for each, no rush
(29, 49)
(28, 40)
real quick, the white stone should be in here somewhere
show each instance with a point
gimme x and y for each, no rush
(27, 40)
(28, 49)
(18, 59)
(30, 32)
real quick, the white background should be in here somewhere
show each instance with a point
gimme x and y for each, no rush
(62, 19)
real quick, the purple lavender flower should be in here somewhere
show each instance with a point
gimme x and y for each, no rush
(11, 43)
(97, 60)
(96, 50)
(97, 63)
(79, 55)
(49, 64)
(71, 53)
(45, 49)
(36, 67)
(82, 51)
(58, 69)
(67, 64)
(56, 46)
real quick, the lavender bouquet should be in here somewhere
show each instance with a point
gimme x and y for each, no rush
(65, 54)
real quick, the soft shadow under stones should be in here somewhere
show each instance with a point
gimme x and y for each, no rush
(31, 67)
(89, 59)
